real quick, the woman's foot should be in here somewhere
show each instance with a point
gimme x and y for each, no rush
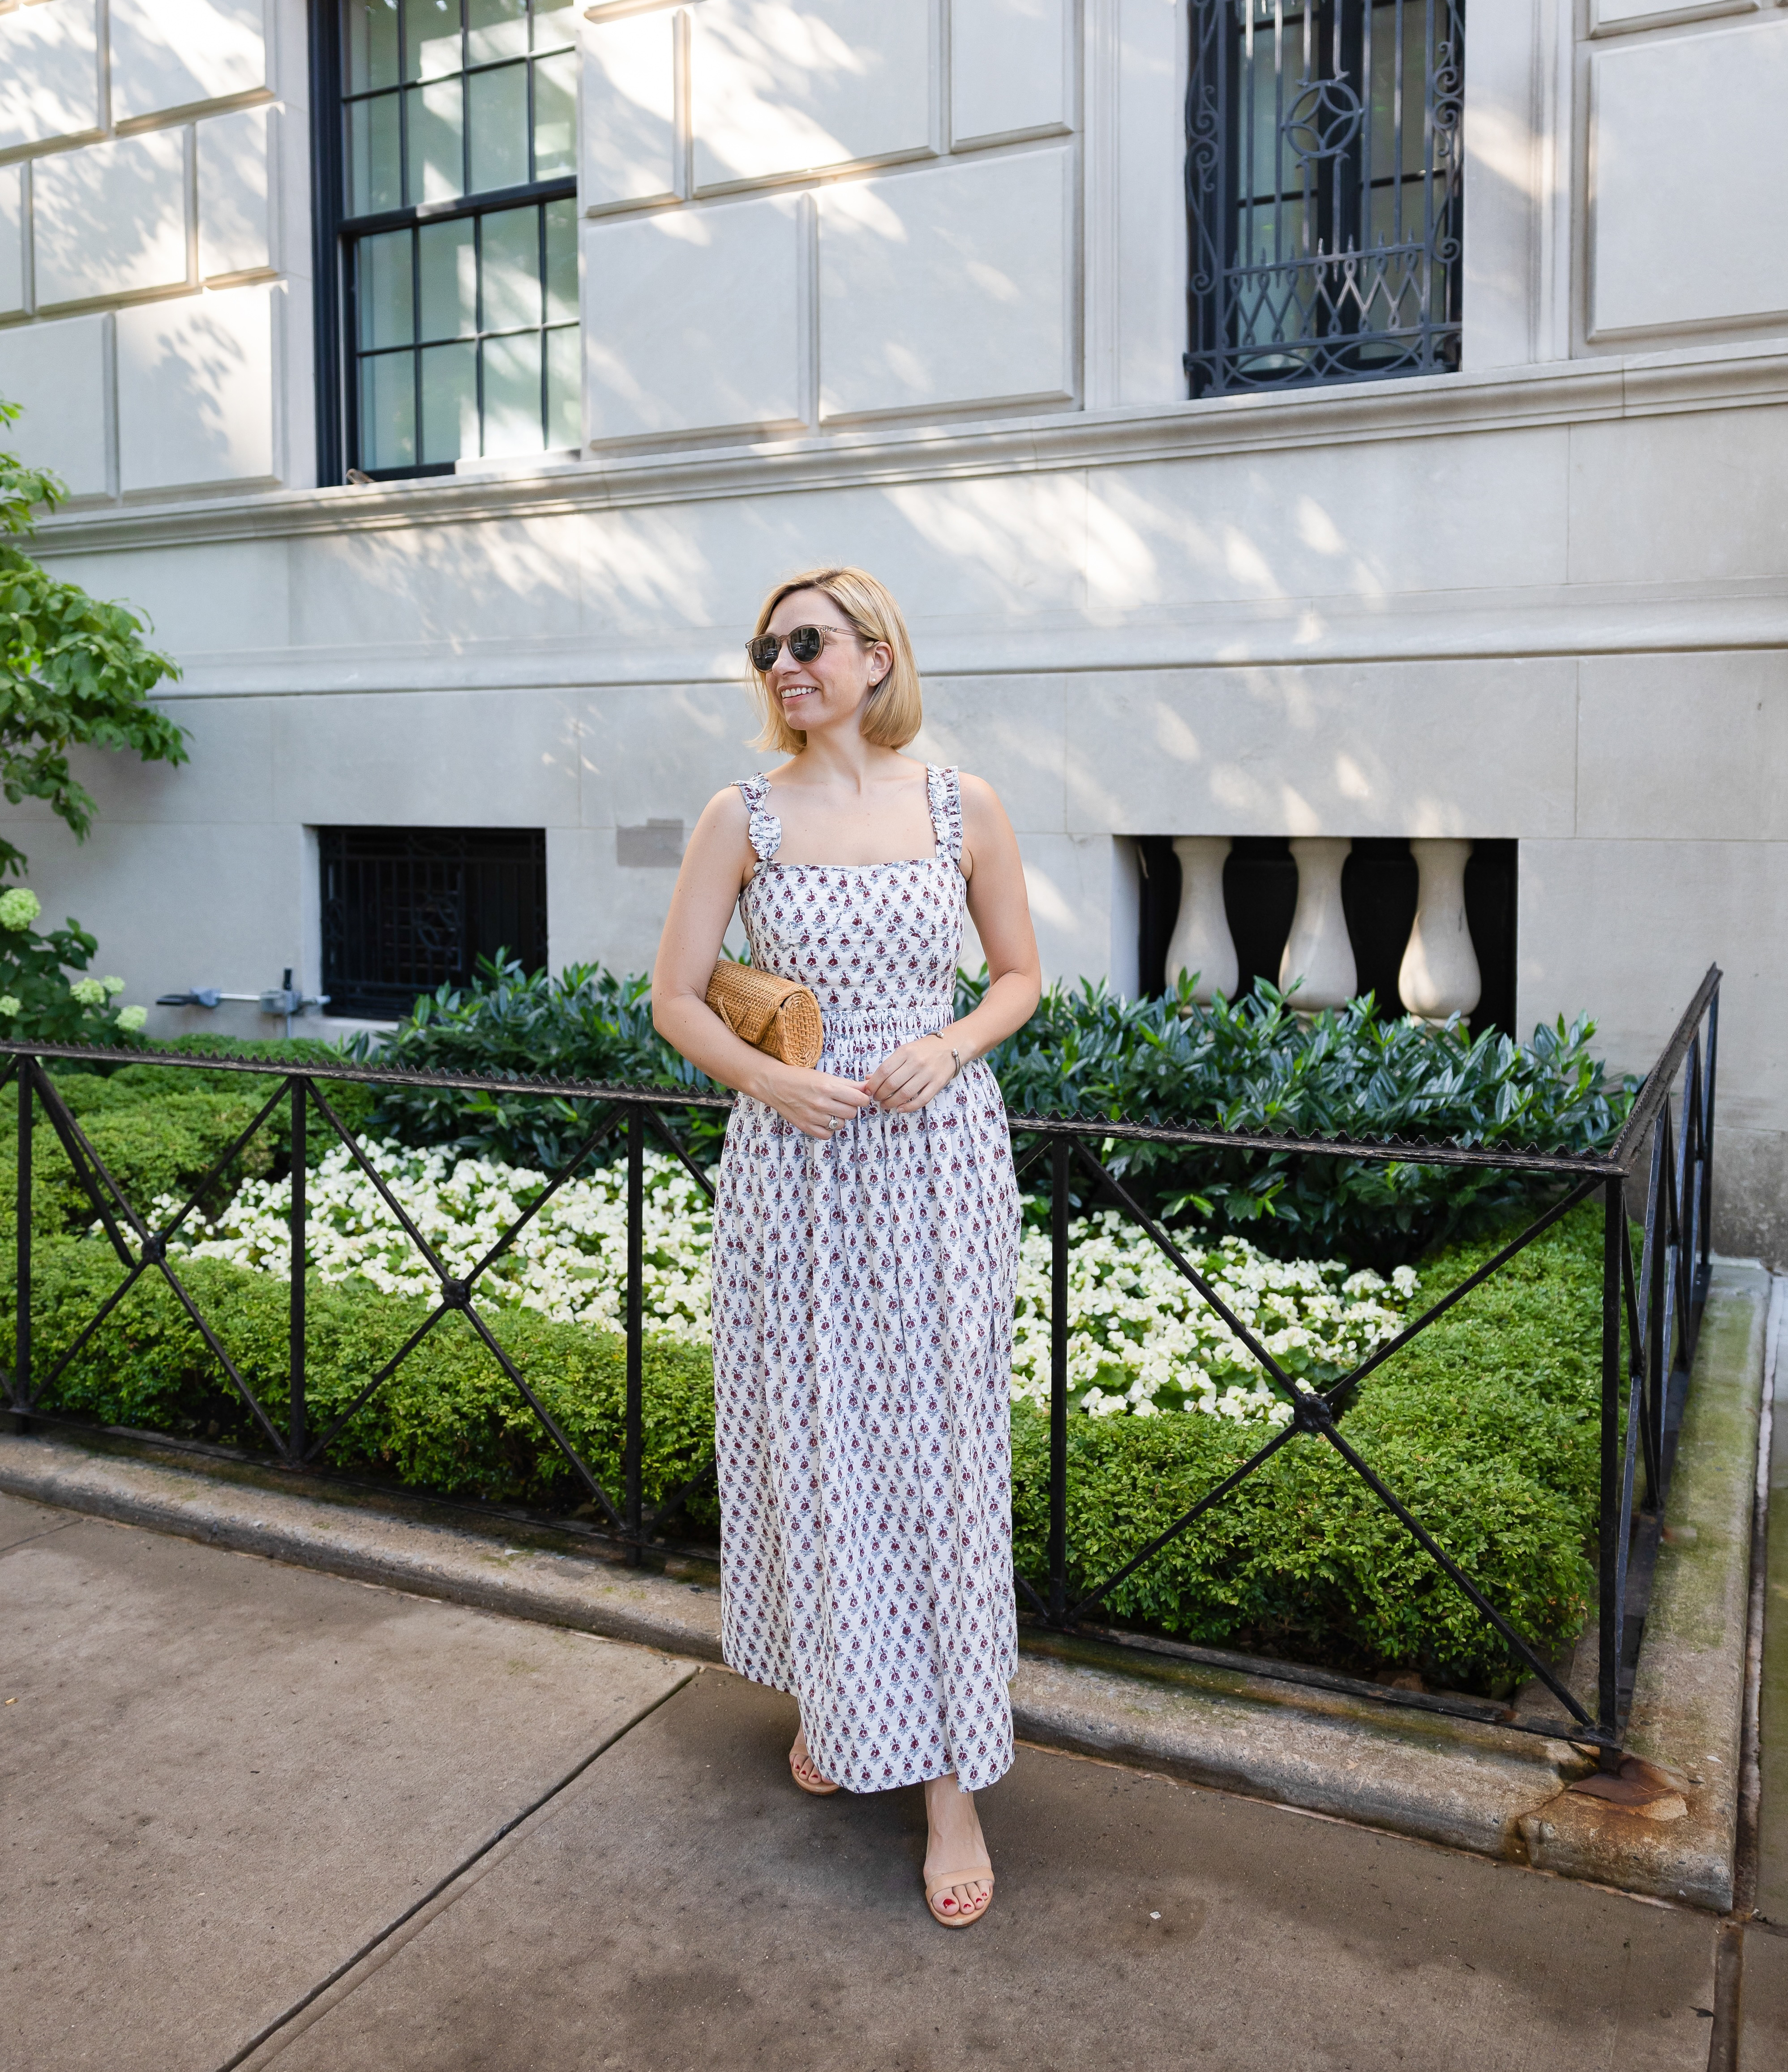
(806, 1771)
(959, 1877)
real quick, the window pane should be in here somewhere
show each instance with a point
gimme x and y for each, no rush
(555, 115)
(431, 39)
(564, 417)
(370, 27)
(561, 261)
(388, 411)
(497, 29)
(555, 24)
(511, 269)
(499, 128)
(446, 262)
(382, 281)
(372, 168)
(512, 395)
(437, 152)
(450, 401)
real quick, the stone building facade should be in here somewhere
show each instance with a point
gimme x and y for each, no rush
(1345, 423)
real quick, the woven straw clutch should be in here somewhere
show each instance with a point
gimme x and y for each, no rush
(778, 1016)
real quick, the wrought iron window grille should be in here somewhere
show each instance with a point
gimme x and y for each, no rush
(407, 910)
(1650, 1320)
(1323, 191)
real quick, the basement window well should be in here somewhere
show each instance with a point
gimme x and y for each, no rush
(408, 910)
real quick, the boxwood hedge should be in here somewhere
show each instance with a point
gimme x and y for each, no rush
(1485, 1425)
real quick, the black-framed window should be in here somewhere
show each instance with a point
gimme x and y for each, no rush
(406, 910)
(1323, 185)
(452, 243)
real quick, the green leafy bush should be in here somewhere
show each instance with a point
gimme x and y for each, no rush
(587, 1024)
(1251, 1065)
(1486, 1426)
(37, 998)
(1255, 1065)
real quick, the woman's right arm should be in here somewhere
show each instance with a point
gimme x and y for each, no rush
(716, 865)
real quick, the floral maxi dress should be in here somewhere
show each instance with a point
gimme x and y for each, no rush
(862, 1304)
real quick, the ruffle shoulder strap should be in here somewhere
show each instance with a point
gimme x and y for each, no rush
(767, 829)
(943, 789)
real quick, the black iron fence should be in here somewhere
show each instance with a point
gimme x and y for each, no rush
(1660, 1166)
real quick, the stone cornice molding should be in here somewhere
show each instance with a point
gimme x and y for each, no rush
(1427, 628)
(1501, 399)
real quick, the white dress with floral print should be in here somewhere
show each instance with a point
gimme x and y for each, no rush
(862, 1305)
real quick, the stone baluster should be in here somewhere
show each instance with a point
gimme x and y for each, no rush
(1439, 975)
(1318, 952)
(1202, 941)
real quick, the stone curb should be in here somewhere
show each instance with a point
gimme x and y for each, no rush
(1460, 1783)
(1688, 1695)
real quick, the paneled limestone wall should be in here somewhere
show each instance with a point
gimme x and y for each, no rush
(736, 286)
(154, 256)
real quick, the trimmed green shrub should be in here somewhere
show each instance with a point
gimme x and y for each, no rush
(1486, 1427)
(448, 1419)
(159, 1128)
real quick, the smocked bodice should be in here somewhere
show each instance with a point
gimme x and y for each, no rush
(877, 942)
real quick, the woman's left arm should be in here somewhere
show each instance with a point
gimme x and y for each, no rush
(908, 1077)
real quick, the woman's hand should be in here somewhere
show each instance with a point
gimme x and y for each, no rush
(906, 1079)
(816, 1102)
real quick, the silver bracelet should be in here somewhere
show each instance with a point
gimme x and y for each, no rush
(956, 1055)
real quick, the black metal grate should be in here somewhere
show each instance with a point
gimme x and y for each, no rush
(406, 910)
(1322, 179)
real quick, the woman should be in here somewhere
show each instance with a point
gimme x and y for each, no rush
(866, 1238)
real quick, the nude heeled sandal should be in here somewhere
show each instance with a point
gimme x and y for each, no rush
(940, 1881)
(819, 1788)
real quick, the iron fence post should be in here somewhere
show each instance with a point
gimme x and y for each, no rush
(1061, 1151)
(1609, 1610)
(295, 1441)
(1704, 1262)
(21, 1321)
(636, 1249)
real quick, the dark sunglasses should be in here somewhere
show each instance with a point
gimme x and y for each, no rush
(804, 644)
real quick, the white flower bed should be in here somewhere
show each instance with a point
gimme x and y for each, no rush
(570, 1262)
(1141, 1340)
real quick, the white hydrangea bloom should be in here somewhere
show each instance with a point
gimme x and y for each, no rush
(89, 991)
(19, 907)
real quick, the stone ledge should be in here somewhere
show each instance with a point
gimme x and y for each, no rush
(1462, 1784)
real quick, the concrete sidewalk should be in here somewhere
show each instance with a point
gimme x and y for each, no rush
(224, 1777)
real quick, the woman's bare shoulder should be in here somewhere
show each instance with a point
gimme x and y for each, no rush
(725, 809)
(980, 800)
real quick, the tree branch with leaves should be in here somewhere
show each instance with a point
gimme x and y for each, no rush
(75, 672)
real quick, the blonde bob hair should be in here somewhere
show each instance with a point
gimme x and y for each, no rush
(894, 710)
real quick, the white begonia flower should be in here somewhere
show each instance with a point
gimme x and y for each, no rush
(19, 907)
(1141, 1339)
